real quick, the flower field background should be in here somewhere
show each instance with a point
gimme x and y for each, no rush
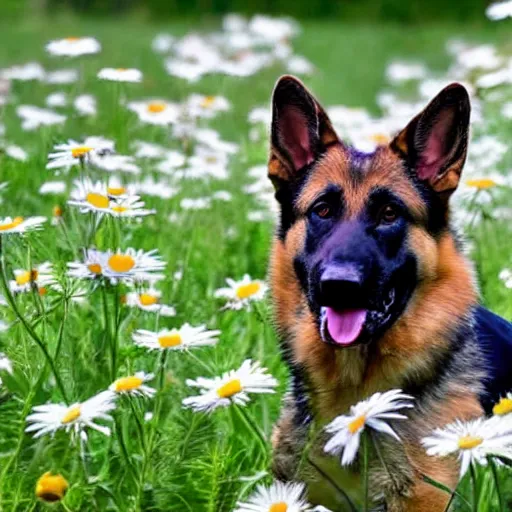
(188, 135)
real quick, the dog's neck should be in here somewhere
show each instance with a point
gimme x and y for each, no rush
(339, 378)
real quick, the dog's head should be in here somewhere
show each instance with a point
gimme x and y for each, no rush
(360, 230)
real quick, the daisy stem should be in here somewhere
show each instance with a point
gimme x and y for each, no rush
(140, 426)
(115, 336)
(61, 329)
(333, 484)
(496, 478)
(124, 449)
(366, 446)
(12, 303)
(249, 423)
(150, 444)
(474, 487)
(199, 362)
(106, 322)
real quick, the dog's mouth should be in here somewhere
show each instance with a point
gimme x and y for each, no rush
(347, 327)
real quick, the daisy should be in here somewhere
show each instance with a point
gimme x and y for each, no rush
(116, 189)
(504, 406)
(115, 163)
(90, 268)
(49, 418)
(398, 71)
(232, 387)
(159, 112)
(25, 72)
(33, 117)
(499, 10)
(173, 160)
(5, 363)
(206, 107)
(149, 300)
(16, 152)
(129, 207)
(162, 43)
(200, 203)
(133, 385)
(10, 225)
(90, 197)
(68, 155)
(39, 277)
(120, 74)
(347, 429)
(74, 46)
(211, 139)
(145, 149)
(62, 76)
(241, 293)
(279, 497)
(52, 187)
(51, 487)
(184, 338)
(506, 276)
(160, 189)
(472, 441)
(131, 265)
(85, 105)
(299, 65)
(56, 99)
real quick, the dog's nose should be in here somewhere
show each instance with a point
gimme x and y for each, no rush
(340, 286)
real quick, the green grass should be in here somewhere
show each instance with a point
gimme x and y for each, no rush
(197, 461)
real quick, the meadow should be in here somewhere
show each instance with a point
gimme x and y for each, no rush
(210, 216)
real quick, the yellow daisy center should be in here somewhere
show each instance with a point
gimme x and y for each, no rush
(51, 487)
(72, 414)
(211, 159)
(119, 209)
(128, 383)
(95, 268)
(357, 424)
(80, 151)
(380, 138)
(11, 225)
(469, 442)
(97, 200)
(504, 406)
(57, 211)
(42, 291)
(245, 291)
(156, 107)
(170, 340)
(122, 70)
(481, 184)
(207, 101)
(147, 300)
(116, 191)
(229, 389)
(121, 262)
(26, 276)
(72, 39)
(278, 507)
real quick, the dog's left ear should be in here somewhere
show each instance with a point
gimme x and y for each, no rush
(300, 130)
(434, 144)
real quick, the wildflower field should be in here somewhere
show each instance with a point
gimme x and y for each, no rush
(138, 359)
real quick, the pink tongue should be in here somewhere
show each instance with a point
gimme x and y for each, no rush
(345, 326)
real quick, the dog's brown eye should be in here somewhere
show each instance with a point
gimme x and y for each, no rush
(323, 210)
(388, 214)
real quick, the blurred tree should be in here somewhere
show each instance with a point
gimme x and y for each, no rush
(404, 11)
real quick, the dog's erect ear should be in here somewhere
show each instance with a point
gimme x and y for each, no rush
(300, 130)
(434, 144)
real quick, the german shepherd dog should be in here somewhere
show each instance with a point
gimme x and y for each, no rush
(371, 292)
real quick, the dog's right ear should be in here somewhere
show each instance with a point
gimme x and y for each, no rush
(300, 130)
